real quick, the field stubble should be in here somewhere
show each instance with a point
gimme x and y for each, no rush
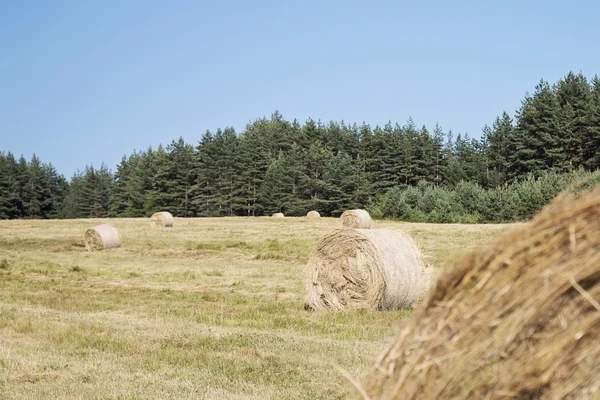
(211, 308)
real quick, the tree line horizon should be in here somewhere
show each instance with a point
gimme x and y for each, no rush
(396, 171)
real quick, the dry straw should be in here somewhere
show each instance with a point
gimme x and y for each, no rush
(364, 269)
(520, 319)
(277, 215)
(313, 214)
(102, 237)
(161, 219)
(359, 219)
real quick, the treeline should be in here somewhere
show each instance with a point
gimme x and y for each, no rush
(278, 165)
(30, 189)
(468, 202)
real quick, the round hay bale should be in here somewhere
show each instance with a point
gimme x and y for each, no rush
(161, 219)
(358, 219)
(277, 215)
(102, 237)
(313, 214)
(519, 319)
(374, 269)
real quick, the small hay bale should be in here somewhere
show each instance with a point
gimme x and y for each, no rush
(313, 214)
(102, 237)
(277, 215)
(374, 269)
(519, 319)
(161, 219)
(358, 219)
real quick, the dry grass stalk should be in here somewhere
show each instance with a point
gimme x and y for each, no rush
(363, 269)
(161, 219)
(102, 237)
(520, 319)
(359, 219)
(313, 214)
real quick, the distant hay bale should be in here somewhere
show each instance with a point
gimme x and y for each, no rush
(277, 215)
(363, 269)
(313, 214)
(102, 237)
(519, 319)
(161, 219)
(359, 219)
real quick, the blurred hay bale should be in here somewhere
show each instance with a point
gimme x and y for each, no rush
(313, 214)
(519, 319)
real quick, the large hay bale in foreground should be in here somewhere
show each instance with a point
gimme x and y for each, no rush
(313, 214)
(359, 219)
(277, 215)
(161, 219)
(102, 237)
(520, 319)
(363, 269)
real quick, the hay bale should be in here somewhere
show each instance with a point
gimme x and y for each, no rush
(363, 269)
(313, 214)
(277, 215)
(519, 319)
(102, 237)
(358, 219)
(161, 219)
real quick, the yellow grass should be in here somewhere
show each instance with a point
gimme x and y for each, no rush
(211, 308)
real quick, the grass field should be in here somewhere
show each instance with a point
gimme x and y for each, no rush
(211, 308)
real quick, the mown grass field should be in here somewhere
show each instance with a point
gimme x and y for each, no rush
(208, 309)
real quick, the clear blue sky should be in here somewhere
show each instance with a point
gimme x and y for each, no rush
(82, 82)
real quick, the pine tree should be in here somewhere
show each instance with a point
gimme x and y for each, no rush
(254, 159)
(498, 150)
(312, 132)
(218, 188)
(22, 177)
(225, 146)
(311, 180)
(592, 142)
(454, 171)
(156, 163)
(406, 153)
(574, 97)
(342, 184)
(10, 202)
(536, 147)
(128, 193)
(95, 192)
(56, 192)
(283, 190)
(173, 179)
(36, 191)
(73, 205)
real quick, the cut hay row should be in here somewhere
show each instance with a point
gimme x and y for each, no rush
(364, 269)
(102, 237)
(313, 214)
(520, 319)
(358, 219)
(161, 219)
